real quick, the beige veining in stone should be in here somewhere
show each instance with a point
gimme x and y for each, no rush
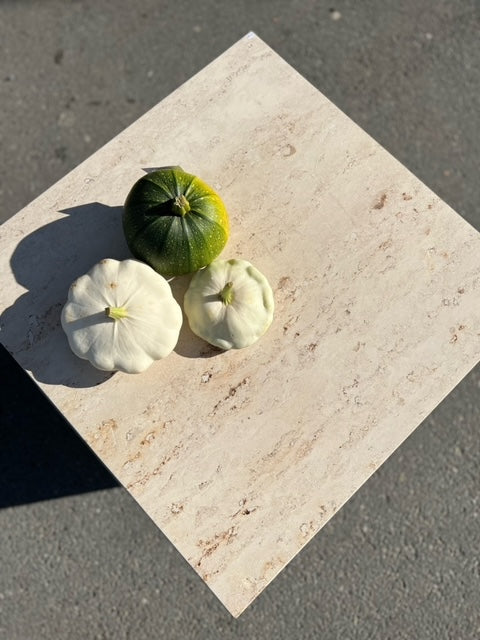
(241, 457)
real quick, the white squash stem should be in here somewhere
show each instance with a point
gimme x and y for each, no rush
(226, 294)
(116, 313)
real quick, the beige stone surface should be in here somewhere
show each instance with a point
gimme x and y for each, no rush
(241, 457)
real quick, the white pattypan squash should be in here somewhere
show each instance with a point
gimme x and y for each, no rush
(121, 316)
(229, 304)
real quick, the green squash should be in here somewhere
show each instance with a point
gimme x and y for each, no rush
(174, 222)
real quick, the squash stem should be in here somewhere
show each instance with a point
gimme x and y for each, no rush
(180, 206)
(116, 313)
(226, 294)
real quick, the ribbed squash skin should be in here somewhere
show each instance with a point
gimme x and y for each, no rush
(171, 243)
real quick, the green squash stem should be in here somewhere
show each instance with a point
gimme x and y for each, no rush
(116, 313)
(180, 206)
(226, 294)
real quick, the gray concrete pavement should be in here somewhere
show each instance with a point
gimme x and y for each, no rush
(79, 559)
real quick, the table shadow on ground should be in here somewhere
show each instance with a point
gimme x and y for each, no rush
(41, 456)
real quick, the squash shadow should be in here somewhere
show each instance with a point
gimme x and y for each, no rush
(152, 169)
(46, 262)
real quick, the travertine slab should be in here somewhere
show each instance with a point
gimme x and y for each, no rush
(241, 457)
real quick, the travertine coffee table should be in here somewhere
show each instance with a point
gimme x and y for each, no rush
(241, 457)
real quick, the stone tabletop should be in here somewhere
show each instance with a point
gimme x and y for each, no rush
(241, 457)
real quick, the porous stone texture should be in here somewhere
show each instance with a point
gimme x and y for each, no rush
(240, 457)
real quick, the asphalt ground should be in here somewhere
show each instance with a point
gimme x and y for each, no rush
(78, 557)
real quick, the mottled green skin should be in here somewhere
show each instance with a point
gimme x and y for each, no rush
(171, 243)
